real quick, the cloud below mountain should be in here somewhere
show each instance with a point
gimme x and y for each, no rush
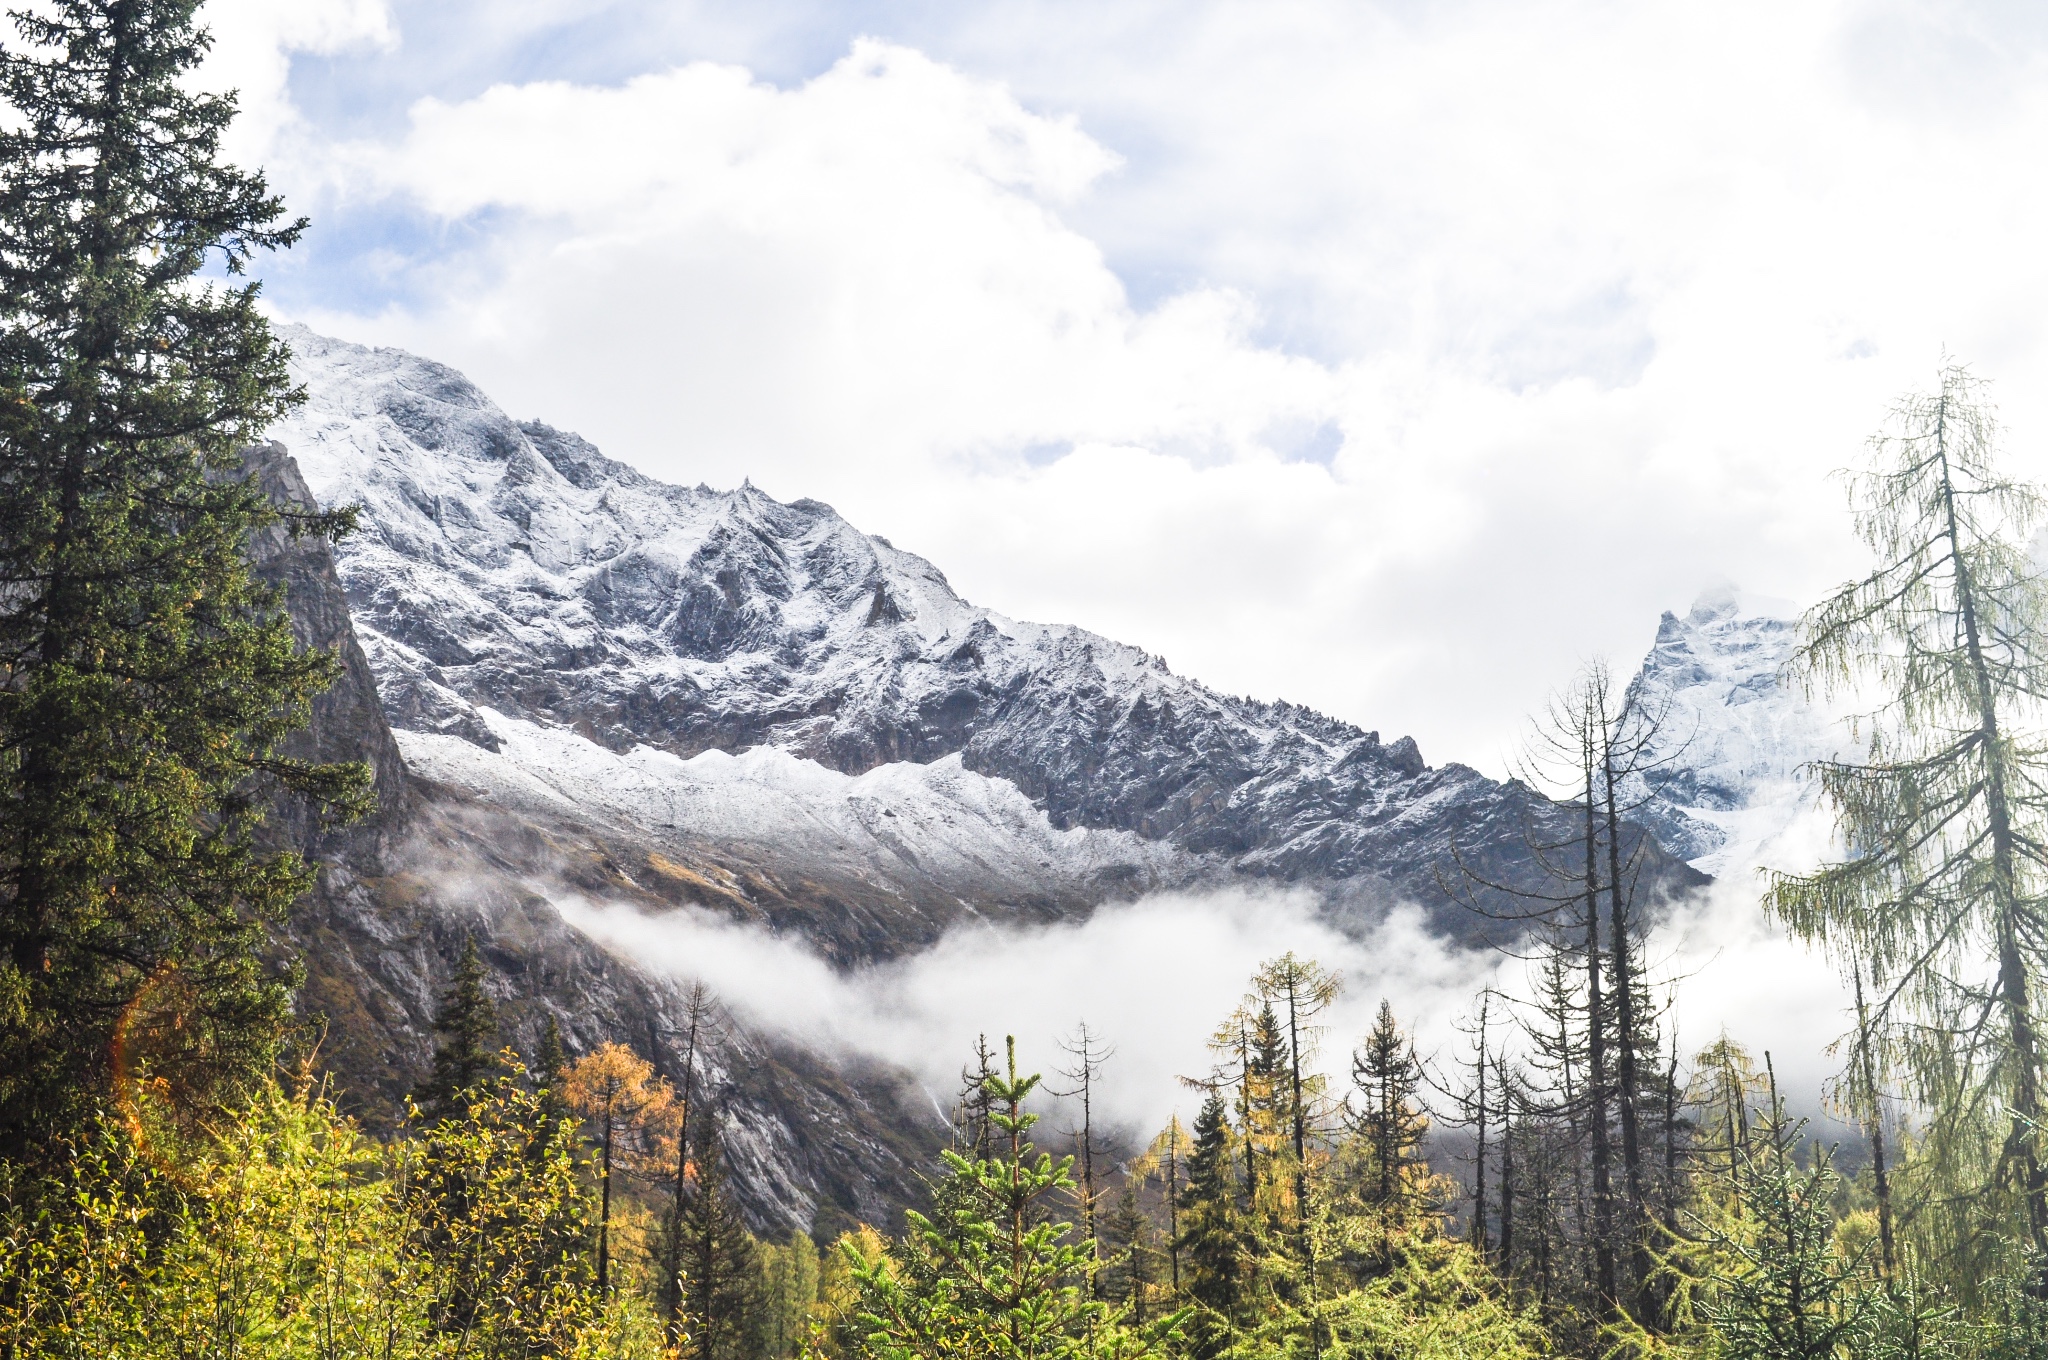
(1155, 977)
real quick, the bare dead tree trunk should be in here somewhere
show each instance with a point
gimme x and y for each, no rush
(1621, 948)
(1507, 1170)
(1088, 1057)
(1596, 1058)
(1480, 1112)
(695, 1010)
(1173, 1201)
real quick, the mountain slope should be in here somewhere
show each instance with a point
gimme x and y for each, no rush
(513, 585)
(812, 1142)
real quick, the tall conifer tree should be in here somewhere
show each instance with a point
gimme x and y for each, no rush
(616, 1090)
(1212, 1235)
(148, 678)
(1303, 989)
(1128, 1259)
(1942, 894)
(466, 1037)
(722, 1280)
(789, 1295)
(550, 1077)
(1388, 1076)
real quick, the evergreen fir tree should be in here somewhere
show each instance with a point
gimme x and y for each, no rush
(1266, 1080)
(1781, 1290)
(150, 678)
(466, 1040)
(1233, 1041)
(551, 1059)
(1129, 1253)
(1212, 1243)
(550, 1076)
(1387, 1075)
(997, 1277)
(722, 1282)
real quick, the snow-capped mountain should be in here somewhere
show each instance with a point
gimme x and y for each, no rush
(723, 670)
(576, 681)
(1725, 774)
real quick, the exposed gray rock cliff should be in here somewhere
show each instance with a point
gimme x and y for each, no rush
(812, 1142)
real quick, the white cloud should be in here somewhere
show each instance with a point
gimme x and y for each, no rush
(253, 45)
(1579, 303)
(690, 251)
(1198, 953)
(1038, 983)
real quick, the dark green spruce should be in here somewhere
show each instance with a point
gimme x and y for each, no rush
(722, 1286)
(466, 1044)
(148, 678)
(1213, 1234)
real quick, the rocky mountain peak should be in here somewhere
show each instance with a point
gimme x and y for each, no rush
(1735, 733)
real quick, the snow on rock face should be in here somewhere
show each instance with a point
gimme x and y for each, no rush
(1735, 735)
(507, 571)
(896, 822)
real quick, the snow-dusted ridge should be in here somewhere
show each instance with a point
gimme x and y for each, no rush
(898, 821)
(498, 553)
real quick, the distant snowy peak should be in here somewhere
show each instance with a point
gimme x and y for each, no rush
(1735, 734)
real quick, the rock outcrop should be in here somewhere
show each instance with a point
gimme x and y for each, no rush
(813, 1142)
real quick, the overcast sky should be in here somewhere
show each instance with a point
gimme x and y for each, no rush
(1386, 357)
